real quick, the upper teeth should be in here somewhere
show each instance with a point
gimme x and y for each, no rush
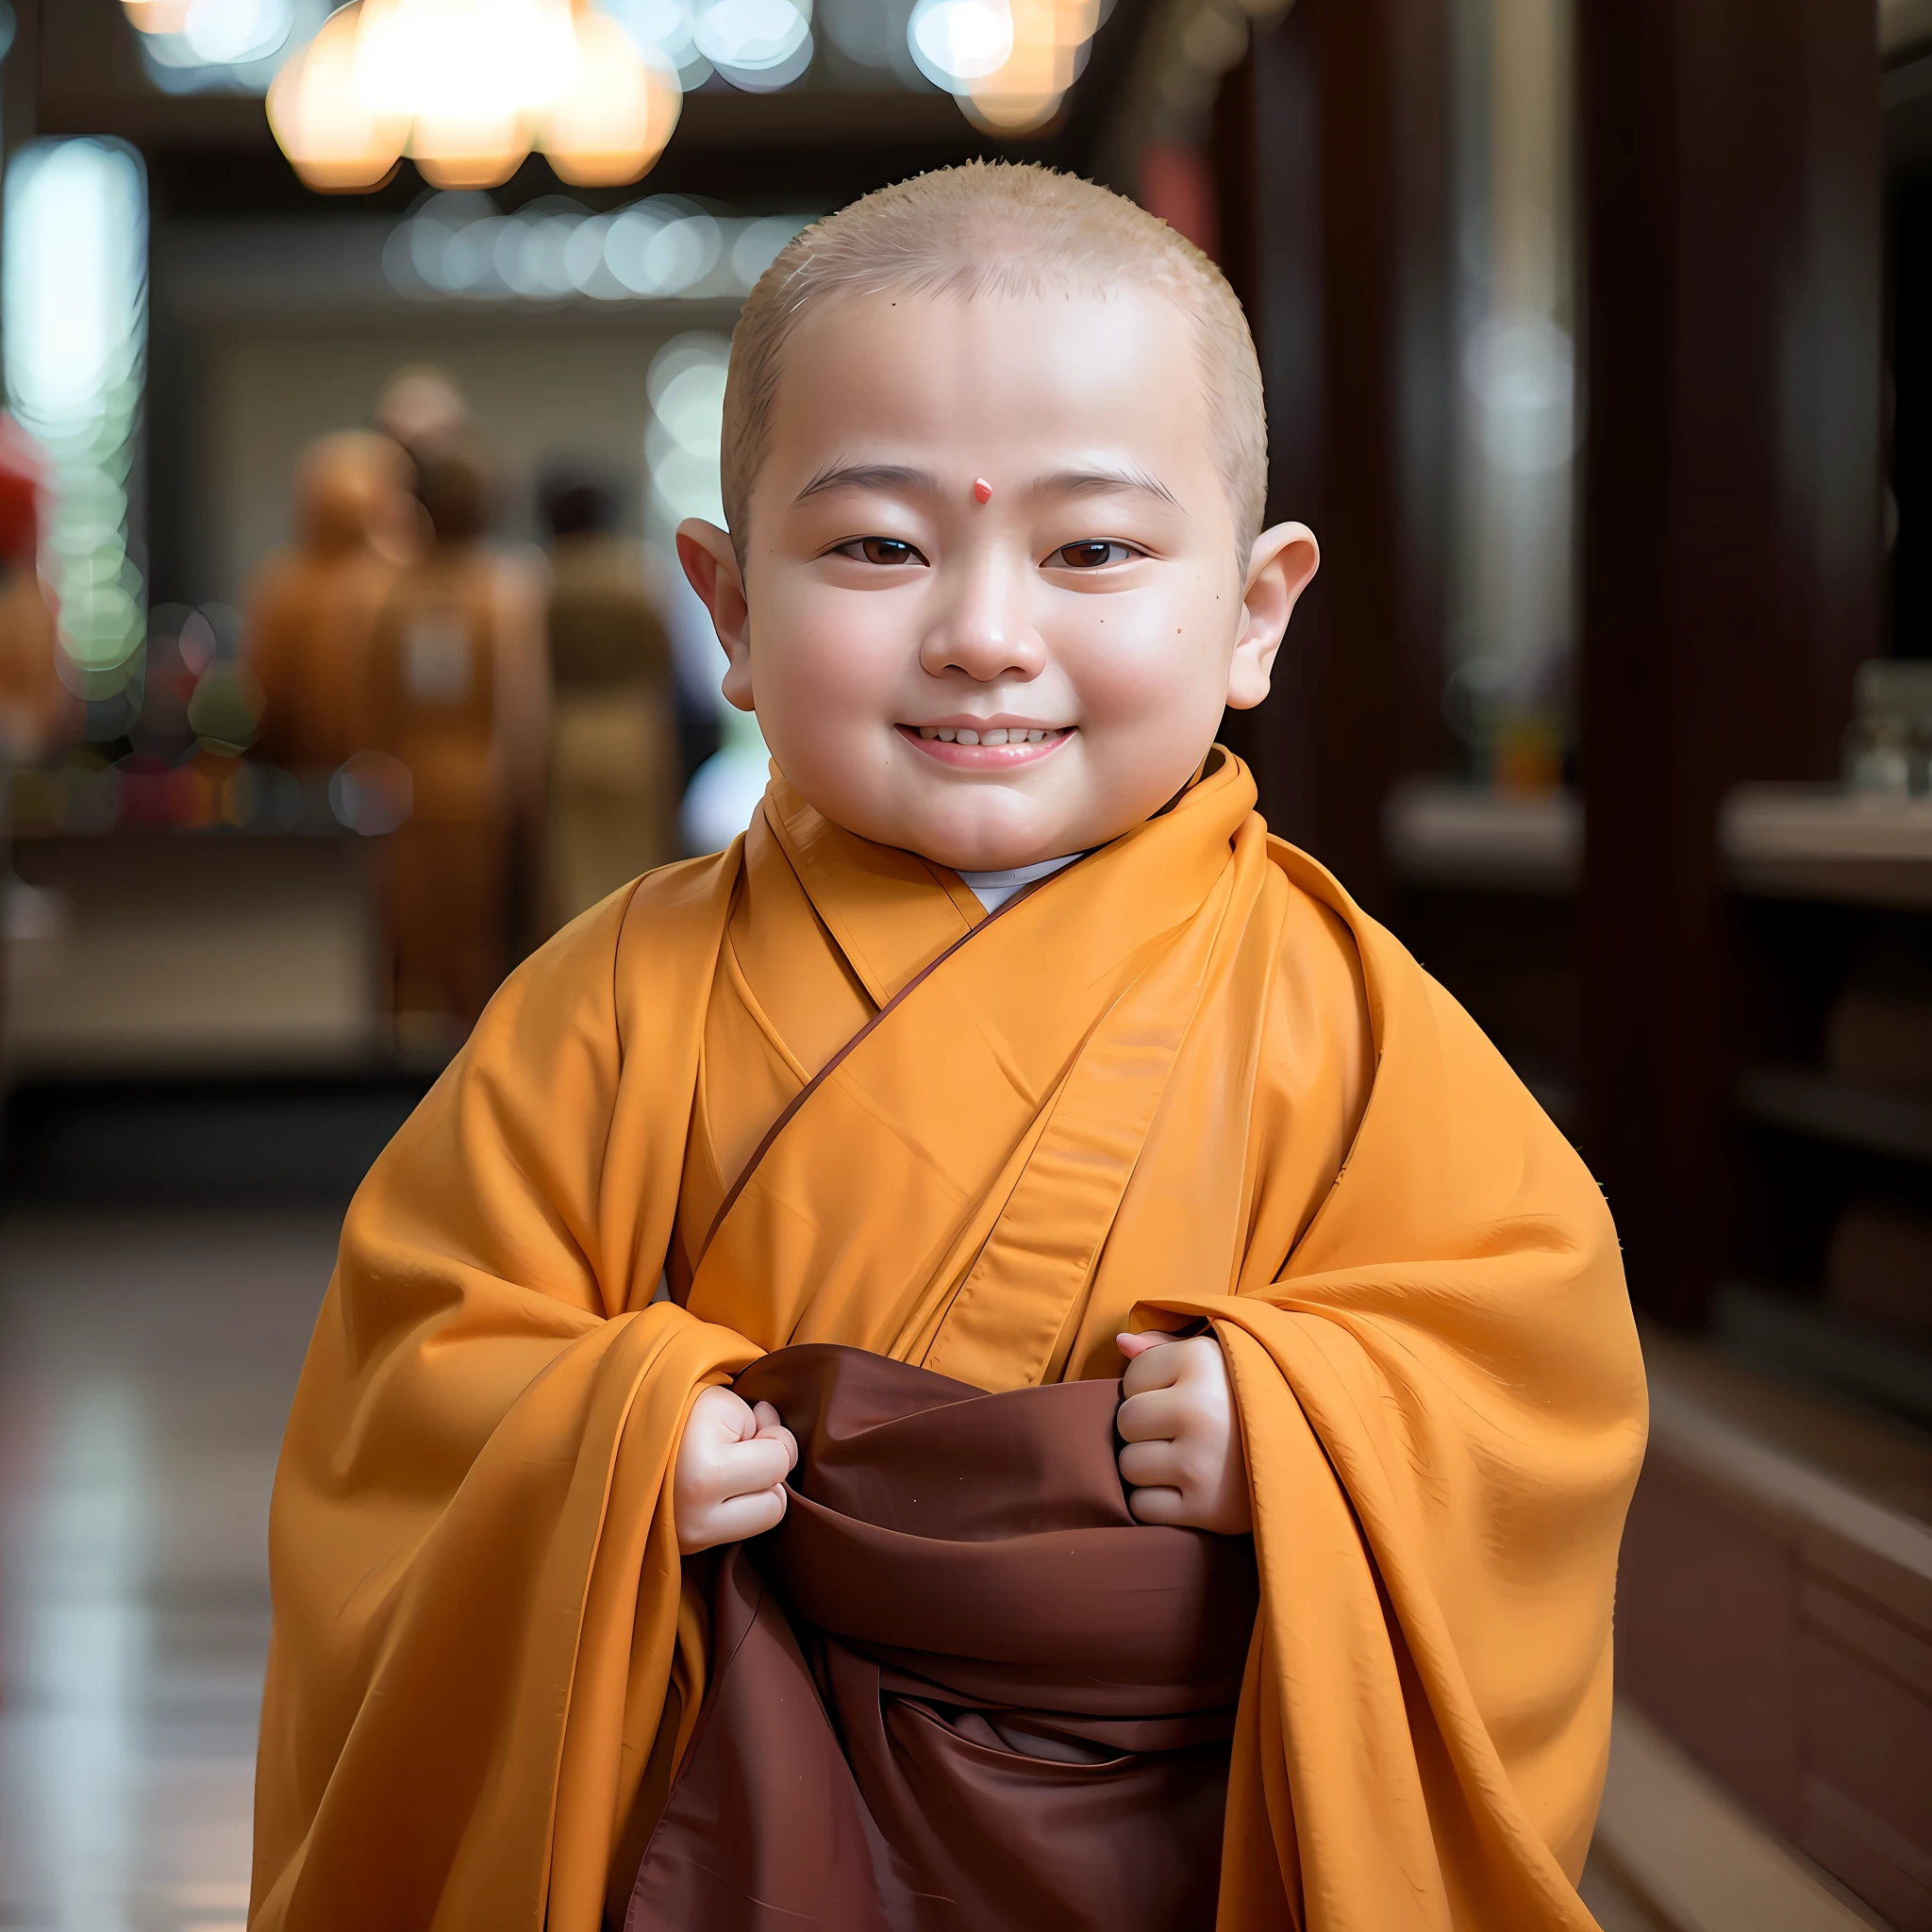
(946, 733)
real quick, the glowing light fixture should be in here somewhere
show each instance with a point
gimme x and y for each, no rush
(758, 45)
(337, 141)
(75, 319)
(956, 42)
(157, 16)
(1007, 62)
(466, 89)
(612, 122)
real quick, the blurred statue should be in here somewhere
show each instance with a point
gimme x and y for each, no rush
(311, 610)
(422, 408)
(613, 738)
(458, 696)
(37, 714)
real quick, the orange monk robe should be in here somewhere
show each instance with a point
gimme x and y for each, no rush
(1186, 1076)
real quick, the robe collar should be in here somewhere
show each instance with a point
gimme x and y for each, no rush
(892, 912)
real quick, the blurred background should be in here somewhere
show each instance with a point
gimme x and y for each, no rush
(358, 364)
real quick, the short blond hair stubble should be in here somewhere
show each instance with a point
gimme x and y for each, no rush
(995, 228)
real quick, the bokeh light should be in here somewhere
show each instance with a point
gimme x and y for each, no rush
(75, 319)
(613, 119)
(335, 141)
(157, 16)
(686, 384)
(194, 46)
(467, 88)
(554, 250)
(477, 85)
(757, 44)
(956, 42)
(1007, 62)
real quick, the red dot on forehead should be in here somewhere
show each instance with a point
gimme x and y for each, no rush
(982, 490)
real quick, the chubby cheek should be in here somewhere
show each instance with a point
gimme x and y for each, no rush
(1161, 675)
(825, 675)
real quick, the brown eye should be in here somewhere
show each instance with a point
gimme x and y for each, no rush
(881, 550)
(1091, 556)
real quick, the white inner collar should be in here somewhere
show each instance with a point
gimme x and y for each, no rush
(993, 889)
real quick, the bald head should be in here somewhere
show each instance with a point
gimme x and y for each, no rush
(982, 230)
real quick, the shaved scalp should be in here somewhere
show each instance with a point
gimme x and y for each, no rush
(996, 228)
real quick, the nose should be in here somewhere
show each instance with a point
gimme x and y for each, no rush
(983, 630)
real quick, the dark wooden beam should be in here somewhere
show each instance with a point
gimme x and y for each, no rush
(1333, 159)
(1731, 539)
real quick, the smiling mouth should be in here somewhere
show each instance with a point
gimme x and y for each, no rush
(986, 748)
(948, 734)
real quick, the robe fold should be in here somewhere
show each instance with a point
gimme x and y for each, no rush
(958, 1688)
(814, 1086)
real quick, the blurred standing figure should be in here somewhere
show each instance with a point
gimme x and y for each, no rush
(457, 694)
(613, 743)
(311, 610)
(421, 408)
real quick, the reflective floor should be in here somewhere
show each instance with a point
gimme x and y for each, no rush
(146, 1366)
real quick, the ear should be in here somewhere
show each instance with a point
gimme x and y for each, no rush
(1282, 563)
(710, 565)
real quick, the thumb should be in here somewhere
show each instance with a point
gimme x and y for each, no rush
(1131, 1345)
(769, 1429)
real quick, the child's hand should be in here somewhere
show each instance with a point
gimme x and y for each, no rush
(1182, 1453)
(732, 1463)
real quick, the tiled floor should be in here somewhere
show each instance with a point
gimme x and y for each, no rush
(146, 1370)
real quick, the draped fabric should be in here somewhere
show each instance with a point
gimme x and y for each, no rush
(958, 1688)
(1183, 1080)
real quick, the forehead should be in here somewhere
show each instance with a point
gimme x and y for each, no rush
(1020, 379)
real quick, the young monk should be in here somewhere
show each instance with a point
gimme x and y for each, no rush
(814, 1193)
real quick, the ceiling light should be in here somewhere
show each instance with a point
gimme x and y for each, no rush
(612, 121)
(467, 88)
(1007, 62)
(336, 141)
(157, 16)
(959, 41)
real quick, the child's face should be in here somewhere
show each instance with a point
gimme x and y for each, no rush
(1090, 609)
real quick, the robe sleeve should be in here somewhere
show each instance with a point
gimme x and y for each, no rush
(475, 1570)
(1442, 1404)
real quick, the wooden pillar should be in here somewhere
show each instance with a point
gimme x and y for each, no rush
(1730, 158)
(1333, 163)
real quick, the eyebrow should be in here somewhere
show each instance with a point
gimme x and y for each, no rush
(1093, 480)
(869, 477)
(1101, 481)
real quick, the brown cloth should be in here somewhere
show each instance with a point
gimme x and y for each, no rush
(958, 1688)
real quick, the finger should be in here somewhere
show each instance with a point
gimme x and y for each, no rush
(745, 1467)
(1160, 1415)
(764, 1415)
(743, 1516)
(1150, 1466)
(1155, 1368)
(720, 1412)
(1131, 1345)
(1159, 1506)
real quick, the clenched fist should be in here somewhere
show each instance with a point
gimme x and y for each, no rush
(729, 1482)
(1181, 1438)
